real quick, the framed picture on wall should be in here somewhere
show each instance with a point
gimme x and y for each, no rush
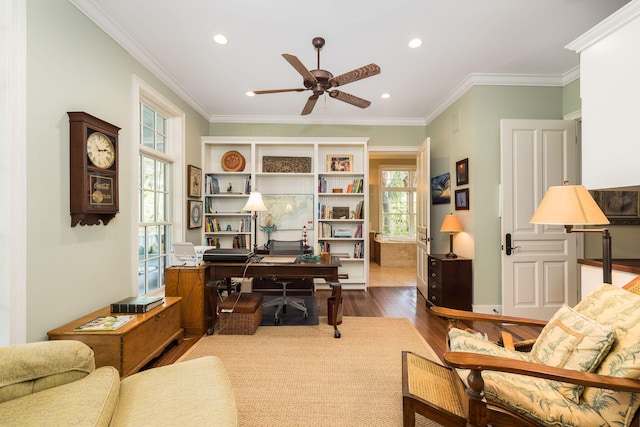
(195, 181)
(339, 163)
(462, 172)
(462, 200)
(620, 207)
(441, 189)
(195, 213)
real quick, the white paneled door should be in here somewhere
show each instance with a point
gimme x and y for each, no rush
(423, 191)
(539, 271)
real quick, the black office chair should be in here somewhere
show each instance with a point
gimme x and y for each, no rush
(285, 247)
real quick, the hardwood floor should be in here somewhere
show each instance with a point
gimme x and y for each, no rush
(380, 301)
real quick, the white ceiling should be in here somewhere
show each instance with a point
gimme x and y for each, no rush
(465, 42)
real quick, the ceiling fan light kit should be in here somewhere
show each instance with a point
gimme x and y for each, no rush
(321, 81)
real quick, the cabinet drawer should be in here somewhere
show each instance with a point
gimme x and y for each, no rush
(435, 265)
(435, 293)
(150, 337)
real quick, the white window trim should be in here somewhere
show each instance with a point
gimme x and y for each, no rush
(143, 92)
(382, 189)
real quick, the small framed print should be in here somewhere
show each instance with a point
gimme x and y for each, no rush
(462, 200)
(339, 163)
(195, 213)
(195, 181)
(462, 172)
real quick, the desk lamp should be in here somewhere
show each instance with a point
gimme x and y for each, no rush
(571, 205)
(255, 205)
(451, 224)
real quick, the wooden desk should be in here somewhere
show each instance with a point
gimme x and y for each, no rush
(134, 344)
(298, 270)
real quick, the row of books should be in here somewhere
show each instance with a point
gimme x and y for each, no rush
(329, 230)
(241, 241)
(353, 187)
(212, 225)
(212, 186)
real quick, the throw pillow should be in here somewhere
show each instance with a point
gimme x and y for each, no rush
(573, 341)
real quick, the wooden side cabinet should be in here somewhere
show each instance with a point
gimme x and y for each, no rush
(134, 344)
(189, 283)
(449, 282)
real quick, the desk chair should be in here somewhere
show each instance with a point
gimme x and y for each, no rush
(283, 247)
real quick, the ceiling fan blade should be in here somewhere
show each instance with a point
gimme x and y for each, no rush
(308, 107)
(262, 92)
(299, 66)
(355, 75)
(349, 99)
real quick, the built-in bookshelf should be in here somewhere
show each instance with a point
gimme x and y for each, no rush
(313, 187)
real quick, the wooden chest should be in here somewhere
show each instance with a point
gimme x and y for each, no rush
(134, 344)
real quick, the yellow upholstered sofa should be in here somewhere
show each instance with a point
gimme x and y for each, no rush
(55, 383)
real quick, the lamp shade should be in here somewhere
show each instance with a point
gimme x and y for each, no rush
(255, 204)
(568, 205)
(451, 224)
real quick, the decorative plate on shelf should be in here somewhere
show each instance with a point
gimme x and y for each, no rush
(232, 161)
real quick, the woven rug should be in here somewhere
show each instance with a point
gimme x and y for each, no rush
(302, 376)
(293, 316)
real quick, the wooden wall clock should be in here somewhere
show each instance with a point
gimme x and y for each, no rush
(93, 150)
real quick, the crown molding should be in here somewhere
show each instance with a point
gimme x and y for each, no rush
(298, 120)
(616, 20)
(92, 11)
(484, 79)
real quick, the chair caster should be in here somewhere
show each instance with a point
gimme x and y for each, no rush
(336, 334)
(306, 315)
(276, 320)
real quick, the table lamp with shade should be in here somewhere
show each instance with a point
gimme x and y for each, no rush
(570, 205)
(255, 205)
(451, 224)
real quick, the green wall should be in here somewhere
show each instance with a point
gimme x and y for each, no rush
(470, 128)
(72, 65)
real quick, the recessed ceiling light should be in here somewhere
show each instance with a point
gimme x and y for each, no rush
(385, 96)
(250, 93)
(415, 43)
(220, 39)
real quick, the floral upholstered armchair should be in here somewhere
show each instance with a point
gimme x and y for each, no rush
(583, 370)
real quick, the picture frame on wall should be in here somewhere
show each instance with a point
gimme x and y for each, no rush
(195, 181)
(462, 172)
(620, 207)
(441, 189)
(339, 163)
(195, 213)
(462, 199)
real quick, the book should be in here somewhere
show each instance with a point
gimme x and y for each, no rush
(104, 323)
(136, 304)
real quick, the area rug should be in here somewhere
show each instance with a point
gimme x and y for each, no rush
(293, 316)
(302, 376)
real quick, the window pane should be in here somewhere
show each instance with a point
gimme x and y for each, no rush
(141, 278)
(160, 142)
(160, 213)
(142, 253)
(395, 179)
(148, 116)
(152, 274)
(160, 176)
(395, 202)
(160, 124)
(148, 137)
(148, 174)
(148, 206)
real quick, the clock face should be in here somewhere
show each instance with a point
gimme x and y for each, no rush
(100, 150)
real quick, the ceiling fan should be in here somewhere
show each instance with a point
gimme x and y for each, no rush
(321, 81)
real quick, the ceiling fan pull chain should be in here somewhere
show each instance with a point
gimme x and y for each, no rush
(325, 100)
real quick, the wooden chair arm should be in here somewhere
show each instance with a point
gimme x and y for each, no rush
(450, 313)
(484, 362)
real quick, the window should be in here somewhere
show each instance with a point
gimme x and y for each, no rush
(159, 185)
(398, 207)
(154, 229)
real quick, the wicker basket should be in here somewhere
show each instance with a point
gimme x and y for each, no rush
(246, 315)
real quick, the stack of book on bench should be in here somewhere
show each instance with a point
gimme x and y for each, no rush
(136, 304)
